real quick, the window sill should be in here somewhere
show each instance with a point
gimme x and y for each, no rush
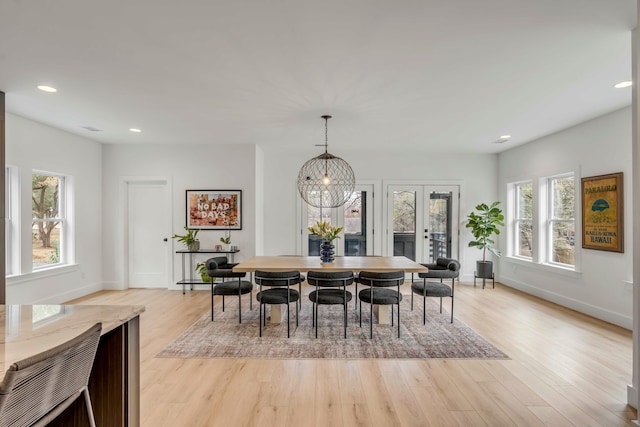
(41, 274)
(551, 268)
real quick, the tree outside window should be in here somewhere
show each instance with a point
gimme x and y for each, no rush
(523, 222)
(562, 219)
(47, 219)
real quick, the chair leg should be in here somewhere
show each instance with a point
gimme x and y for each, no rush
(212, 302)
(239, 307)
(411, 300)
(87, 400)
(371, 320)
(424, 309)
(288, 321)
(440, 305)
(260, 317)
(392, 314)
(345, 318)
(451, 308)
(223, 303)
(398, 318)
(360, 313)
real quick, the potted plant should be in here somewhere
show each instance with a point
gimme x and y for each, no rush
(328, 234)
(226, 240)
(201, 268)
(189, 239)
(483, 224)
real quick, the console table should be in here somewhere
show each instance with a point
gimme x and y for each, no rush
(189, 254)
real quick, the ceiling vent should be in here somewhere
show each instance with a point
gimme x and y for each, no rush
(91, 128)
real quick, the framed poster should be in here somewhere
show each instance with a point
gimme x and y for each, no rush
(214, 209)
(603, 213)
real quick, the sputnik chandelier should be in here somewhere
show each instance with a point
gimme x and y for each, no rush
(326, 181)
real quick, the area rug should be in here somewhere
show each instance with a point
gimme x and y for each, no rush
(225, 338)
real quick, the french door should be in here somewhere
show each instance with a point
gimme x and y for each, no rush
(355, 216)
(422, 221)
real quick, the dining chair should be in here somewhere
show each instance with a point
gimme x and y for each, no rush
(219, 267)
(443, 268)
(330, 289)
(379, 292)
(279, 292)
(37, 389)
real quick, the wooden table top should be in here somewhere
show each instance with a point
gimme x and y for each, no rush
(313, 263)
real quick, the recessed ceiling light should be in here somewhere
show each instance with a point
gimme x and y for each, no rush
(505, 136)
(46, 88)
(623, 84)
(136, 130)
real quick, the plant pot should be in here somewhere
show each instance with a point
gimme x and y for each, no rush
(484, 269)
(327, 253)
(194, 246)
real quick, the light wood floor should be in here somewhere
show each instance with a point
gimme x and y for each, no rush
(565, 369)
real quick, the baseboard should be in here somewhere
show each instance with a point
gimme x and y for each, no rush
(71, 294)
(113, 286)
(174, 287)
(632, 396)
(580, 306)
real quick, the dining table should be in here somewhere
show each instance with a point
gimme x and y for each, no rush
(340, 263)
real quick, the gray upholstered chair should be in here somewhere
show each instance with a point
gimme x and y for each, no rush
(331, 289)
(219, 267)
(444, 268)
(279, 292)
(379, 292)
(37, 389)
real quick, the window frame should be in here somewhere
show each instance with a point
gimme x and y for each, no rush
(551, 220)
(517, 220)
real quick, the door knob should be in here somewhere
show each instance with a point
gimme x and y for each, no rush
(165, 239)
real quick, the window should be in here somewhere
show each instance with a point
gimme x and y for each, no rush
(542, 220)
(48, 219)
(561, 229)
(523, 221)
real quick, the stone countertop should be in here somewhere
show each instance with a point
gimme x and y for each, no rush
(30, 329)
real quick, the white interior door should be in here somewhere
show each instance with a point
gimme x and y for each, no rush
(422, 221)
(148, 234)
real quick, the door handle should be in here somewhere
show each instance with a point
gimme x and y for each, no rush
(165, 239)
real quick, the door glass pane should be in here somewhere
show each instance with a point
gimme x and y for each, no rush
(439, 225)
(313, 216)
(355, 224)
(404, 224)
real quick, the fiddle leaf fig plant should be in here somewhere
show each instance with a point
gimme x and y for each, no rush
(483, 224)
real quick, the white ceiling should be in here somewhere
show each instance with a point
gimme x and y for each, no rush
(408, 74)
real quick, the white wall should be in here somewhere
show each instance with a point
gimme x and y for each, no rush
(196, 167)
(31, 145)
(476, 175)
(602, 285)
